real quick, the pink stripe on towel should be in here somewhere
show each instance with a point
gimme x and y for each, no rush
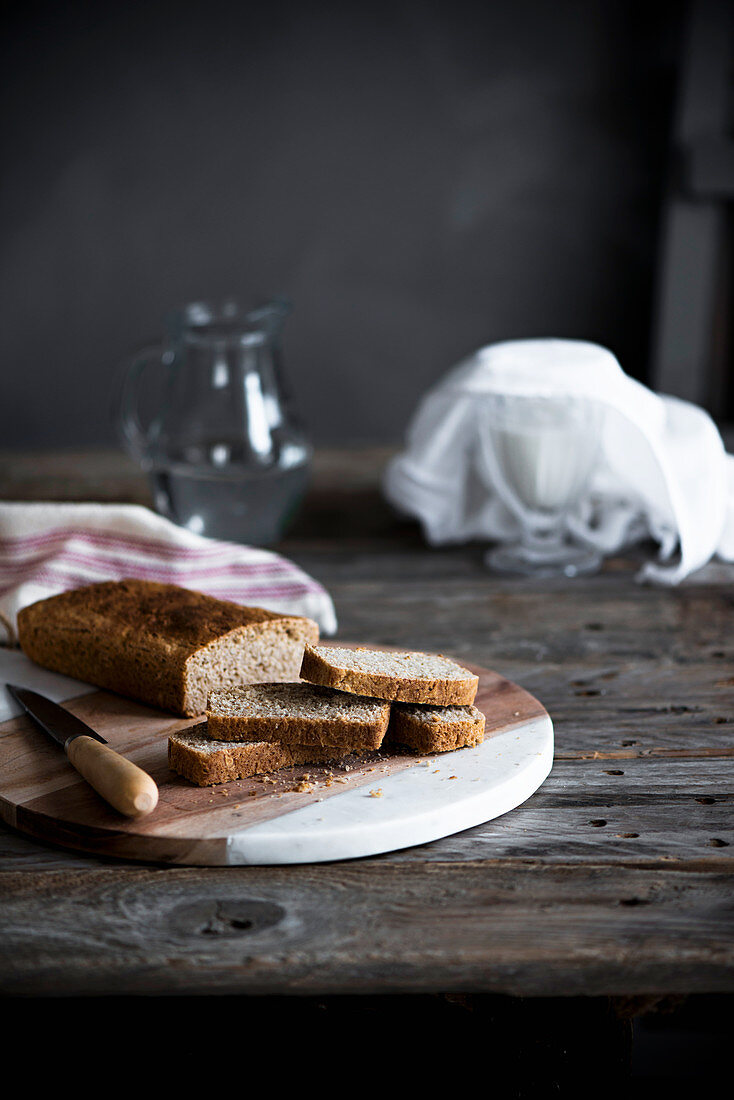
(45, 549)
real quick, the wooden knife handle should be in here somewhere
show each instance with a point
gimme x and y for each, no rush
(120, 782)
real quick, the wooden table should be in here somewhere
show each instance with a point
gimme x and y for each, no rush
(614, 880)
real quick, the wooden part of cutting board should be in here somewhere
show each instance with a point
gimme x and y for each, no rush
(42, 795)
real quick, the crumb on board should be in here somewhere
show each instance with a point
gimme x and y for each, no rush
(281, 783)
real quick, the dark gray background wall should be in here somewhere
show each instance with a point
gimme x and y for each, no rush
(420, 178)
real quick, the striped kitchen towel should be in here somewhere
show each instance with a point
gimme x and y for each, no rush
(50, 548)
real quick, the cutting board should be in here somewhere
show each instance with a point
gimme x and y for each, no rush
(363, 806)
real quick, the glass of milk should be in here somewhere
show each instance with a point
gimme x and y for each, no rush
(542, 452)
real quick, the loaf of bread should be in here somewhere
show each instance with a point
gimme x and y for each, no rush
(206, 762)
(161, 644)
(398, 677)
(435, 729)
(297, 714)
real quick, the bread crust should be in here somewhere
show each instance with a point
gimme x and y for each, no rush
(135, 637)
(238, 761)
(318, 669)
(435, 729)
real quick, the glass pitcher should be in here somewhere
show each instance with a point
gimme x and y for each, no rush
(207, 415)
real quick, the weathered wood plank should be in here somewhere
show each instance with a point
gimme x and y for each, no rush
(515, 928)
(21, 853)
(626, 709)
(609, 620)
(631, 812)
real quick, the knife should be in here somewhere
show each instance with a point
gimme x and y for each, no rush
(120, 782)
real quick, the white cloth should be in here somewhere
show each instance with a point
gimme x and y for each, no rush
(663, 471)
(49, 548)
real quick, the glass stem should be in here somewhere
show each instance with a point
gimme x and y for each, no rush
(543, 541)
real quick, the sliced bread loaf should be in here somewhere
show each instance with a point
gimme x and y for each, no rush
(435, 729)
(297, 714)
(206, 762)
(401, 677)
(165, 645)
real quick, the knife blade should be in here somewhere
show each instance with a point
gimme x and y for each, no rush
(58, 723)
(120, 782)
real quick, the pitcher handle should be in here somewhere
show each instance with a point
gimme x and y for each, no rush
(133, 432)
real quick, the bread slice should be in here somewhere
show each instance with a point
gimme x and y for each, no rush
(206, 762)
(297, 714)
(165, 645)
(435, 729)
(400, 677)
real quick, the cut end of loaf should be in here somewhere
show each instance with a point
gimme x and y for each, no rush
(247, 655)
